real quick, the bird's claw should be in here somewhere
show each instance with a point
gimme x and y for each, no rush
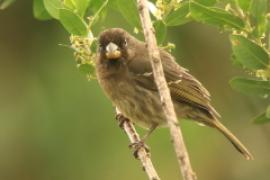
(121, 120)
(136, 146)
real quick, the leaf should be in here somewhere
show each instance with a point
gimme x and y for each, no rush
(215, 16)
(82, 6)
(39, 10)
(79, 5)
(161, 31)
(96, 4)
(235, 62)
(251, 86)
(5, 3)
(258, 12)
(262, 119)
(113, 4)
(86, 69)
(70, 4)
(73, 23)
(53, 6)
(129, 11)
(249, 54)
(179, 16)
(244, 4)
(99, 9)
(258, 8)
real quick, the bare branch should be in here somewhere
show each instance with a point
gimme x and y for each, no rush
(154, 55)
(142, 153)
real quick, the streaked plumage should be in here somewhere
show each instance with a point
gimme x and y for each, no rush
(128, 82)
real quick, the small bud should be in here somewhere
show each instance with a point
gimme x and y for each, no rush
(136, 30)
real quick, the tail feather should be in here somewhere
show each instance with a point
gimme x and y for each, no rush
(236, 142)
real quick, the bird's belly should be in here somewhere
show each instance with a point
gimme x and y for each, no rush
(140, 105)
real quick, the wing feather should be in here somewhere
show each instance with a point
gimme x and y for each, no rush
(183, 86)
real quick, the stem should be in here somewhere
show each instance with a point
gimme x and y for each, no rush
(143, 155)
(154, 56)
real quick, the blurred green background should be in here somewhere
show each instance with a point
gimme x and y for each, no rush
(55, 125)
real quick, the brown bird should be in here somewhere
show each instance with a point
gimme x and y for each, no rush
(125, 74)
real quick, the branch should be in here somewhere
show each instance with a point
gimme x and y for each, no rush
(142, 153)
(167, 105)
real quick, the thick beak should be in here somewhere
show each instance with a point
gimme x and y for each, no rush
(112, 51)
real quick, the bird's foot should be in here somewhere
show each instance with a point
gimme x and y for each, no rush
(121, 120)
(136, 146)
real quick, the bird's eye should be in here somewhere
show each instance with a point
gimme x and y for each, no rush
(125, 42)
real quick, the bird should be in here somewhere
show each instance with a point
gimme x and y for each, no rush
(125, 74)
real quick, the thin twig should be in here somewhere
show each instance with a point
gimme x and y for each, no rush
(154, 55)
(142, 153)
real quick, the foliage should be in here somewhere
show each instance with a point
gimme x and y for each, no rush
(247, 21)
(5, 3)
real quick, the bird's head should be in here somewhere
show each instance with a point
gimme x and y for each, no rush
(113, 46)
(117, 51)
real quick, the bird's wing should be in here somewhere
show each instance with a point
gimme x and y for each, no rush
(183, 86)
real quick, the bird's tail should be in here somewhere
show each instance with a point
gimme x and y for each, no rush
(236, 142)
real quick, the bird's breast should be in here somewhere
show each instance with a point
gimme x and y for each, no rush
(140, 105)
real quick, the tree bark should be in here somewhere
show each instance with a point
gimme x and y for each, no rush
(142, 153)
(172, 121)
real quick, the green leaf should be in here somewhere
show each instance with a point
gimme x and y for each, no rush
(262, 119)
(215, 16)
(251, 86)
(70, 4)
(99, 9)
(113, 4)
(249, 54)
(129, 11)
(244, 4)
(53, 6)
(80, 6)
(259, 8)
(235, 62)
(39, 10)
(207, 2)
(179, 16)
(95, 5)
(161, 31)
(86, 69)
(73, 23)
(258, 12)
(5, 3)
